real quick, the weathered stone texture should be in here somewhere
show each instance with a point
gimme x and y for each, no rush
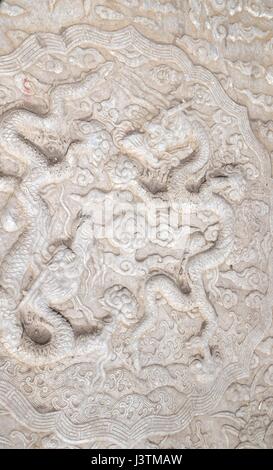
(136, 139)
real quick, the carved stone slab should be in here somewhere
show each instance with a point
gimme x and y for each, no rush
(135, 212)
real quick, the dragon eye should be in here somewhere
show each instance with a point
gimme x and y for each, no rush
(51, 149)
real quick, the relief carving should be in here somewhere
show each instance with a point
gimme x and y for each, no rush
(135, 211)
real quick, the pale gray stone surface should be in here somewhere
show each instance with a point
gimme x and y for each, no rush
(136, 140)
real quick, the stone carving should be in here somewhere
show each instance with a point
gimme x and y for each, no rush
(135, 212)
